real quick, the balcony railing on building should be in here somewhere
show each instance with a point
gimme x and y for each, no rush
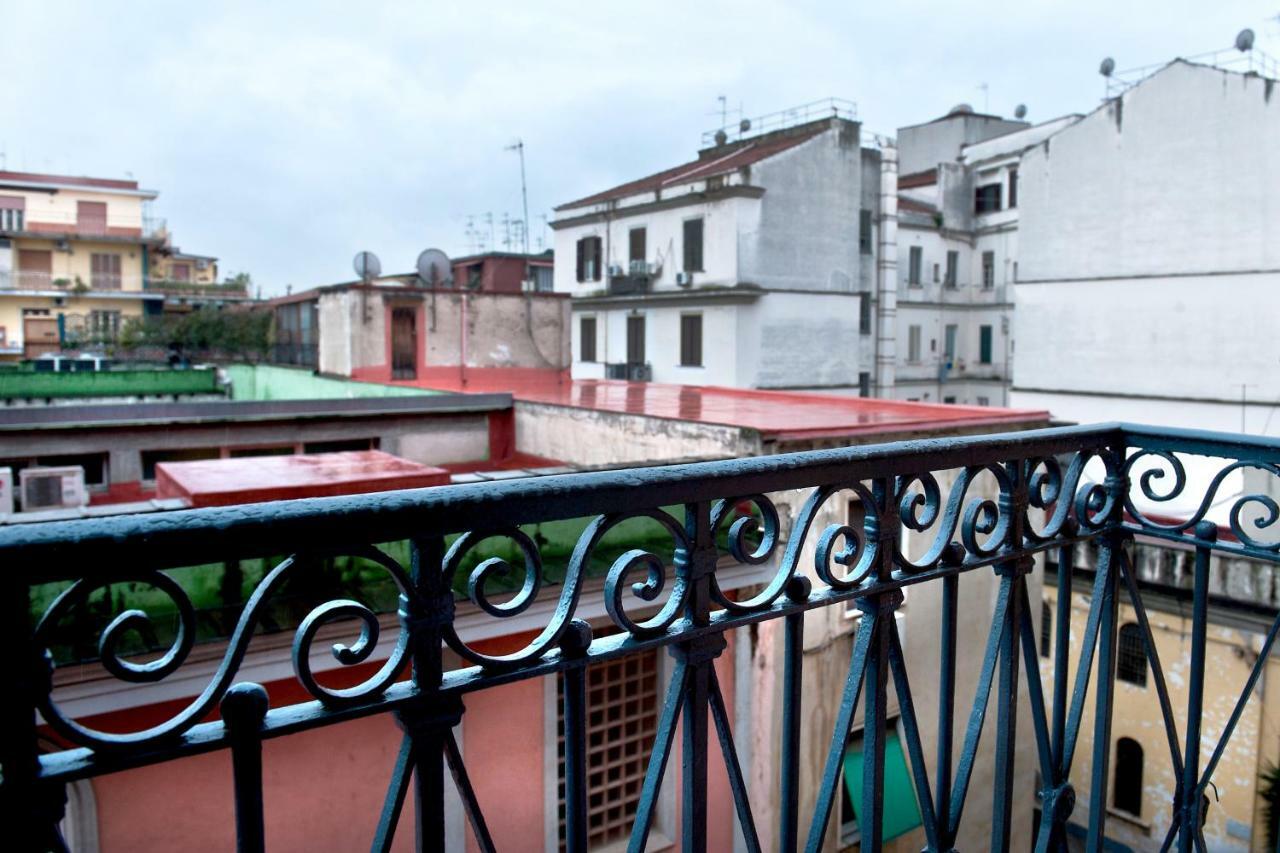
(986, 509)
(77, 284)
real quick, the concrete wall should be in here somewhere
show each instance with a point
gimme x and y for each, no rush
(1178, 176)
(924, 146)
(589, 437)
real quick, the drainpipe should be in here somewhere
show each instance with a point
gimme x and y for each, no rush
(462, 362)
(887, 272)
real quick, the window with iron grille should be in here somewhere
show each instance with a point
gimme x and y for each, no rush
(1046, 628)
(1131, 655)
(622, 720)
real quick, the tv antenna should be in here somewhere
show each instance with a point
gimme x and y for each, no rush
(518, 147)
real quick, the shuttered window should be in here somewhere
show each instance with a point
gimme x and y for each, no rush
(587, 339)
(984, 344)
(693, 245)
(104, 271)
(691, 340)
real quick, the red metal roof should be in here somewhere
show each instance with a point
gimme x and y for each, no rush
(223, 482)
(777, 415)
(702, 168)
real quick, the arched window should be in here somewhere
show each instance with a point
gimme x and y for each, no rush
(1131, 655)
(1127, 796)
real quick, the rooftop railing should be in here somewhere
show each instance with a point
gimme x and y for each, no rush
(986, 507)
(75, 284)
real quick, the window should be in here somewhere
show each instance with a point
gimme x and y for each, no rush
(988, 270)
(987, 199)
(252, 452)
(543, 279)
(950, 333)
(104, 325)
(635, 339)
(691, 340)
(913, 343)
(901, 811)
(984, 344)
(1015, 270)
(953, 264)
(91, 217)
(104, 271)
(1128, 787)
(1046, 628)
(622, 720)
(984, 401)
(1131, 655)
(182, 272)
(589, 256)
(152, 458)
(949, 399)
(864, 232)
(915, 259)
(587, 339)
(1013, 188)
(12, 211)
(636, 240)
(864, 313)
(864, 384)
(693, 245)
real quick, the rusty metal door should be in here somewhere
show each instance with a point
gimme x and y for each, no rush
(404, 343)
(39, 336)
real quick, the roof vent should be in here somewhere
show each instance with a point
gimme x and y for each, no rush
(961, 110)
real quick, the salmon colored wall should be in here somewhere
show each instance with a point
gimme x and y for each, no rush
(504, 751)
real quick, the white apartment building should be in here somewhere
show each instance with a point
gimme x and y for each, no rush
(752, 266)
(957, 255)
(1149, 258)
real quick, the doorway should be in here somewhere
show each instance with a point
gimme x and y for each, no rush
(635, 339)
(404, 343)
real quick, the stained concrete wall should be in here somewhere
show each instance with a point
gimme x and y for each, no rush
(924, 146)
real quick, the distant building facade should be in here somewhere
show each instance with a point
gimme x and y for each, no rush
(741, 268)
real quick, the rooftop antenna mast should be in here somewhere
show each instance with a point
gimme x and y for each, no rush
(518, 147)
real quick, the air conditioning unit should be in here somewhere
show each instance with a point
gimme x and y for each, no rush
(684, 279)
(639, 268)
(640, 372)
(6, 492)
(52, 488)
(615, 270)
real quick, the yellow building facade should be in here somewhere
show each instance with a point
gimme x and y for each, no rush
(1141, 780)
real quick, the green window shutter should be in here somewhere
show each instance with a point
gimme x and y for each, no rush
(984, 345)
(901, 812)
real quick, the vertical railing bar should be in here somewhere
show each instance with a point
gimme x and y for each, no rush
(792, 677)
(575, 758)
(1107, 606)
(1189, 790)
(911, 733)
(401, 775)
(1081, 691)
(1061, 650)
(697, 570)
(871, 817)
(840, 735)
(946, 705)
(737, 784)
(244, 707)
(1035, 692)
(978, 712)
(1007, 711)
(662, 741)
(468, 794)
(1153, 658)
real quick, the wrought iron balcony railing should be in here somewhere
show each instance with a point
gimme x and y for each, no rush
(988, 505)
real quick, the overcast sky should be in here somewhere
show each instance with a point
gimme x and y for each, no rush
(285, 139)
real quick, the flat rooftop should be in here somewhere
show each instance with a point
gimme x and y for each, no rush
(224, 482)
(777, 415)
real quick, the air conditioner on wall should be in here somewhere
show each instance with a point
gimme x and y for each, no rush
(52, 488)
(684, 279)
(615, 270)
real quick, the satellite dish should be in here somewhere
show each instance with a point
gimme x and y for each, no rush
(744, 125)
(435, 269)
(1107, 67)
(961, 110)
(1020, 111)
(721, 137)
(1244, 40)
(367, 266)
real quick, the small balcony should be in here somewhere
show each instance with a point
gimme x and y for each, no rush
(766, 600)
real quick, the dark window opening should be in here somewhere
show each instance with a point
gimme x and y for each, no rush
(590, 250)
(693, 245)
(587, 339)
(984, 344)
(251, 452)
(637, 239)
(953, 264)
(864, 384)
(1131, 655)
(341, 445)
(864, 232)
(915, 260)
(987, 199)
(151, 458)
(1013, 188)
(635, 339)
(1128, 787)
(864, 313)
(691, 340)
